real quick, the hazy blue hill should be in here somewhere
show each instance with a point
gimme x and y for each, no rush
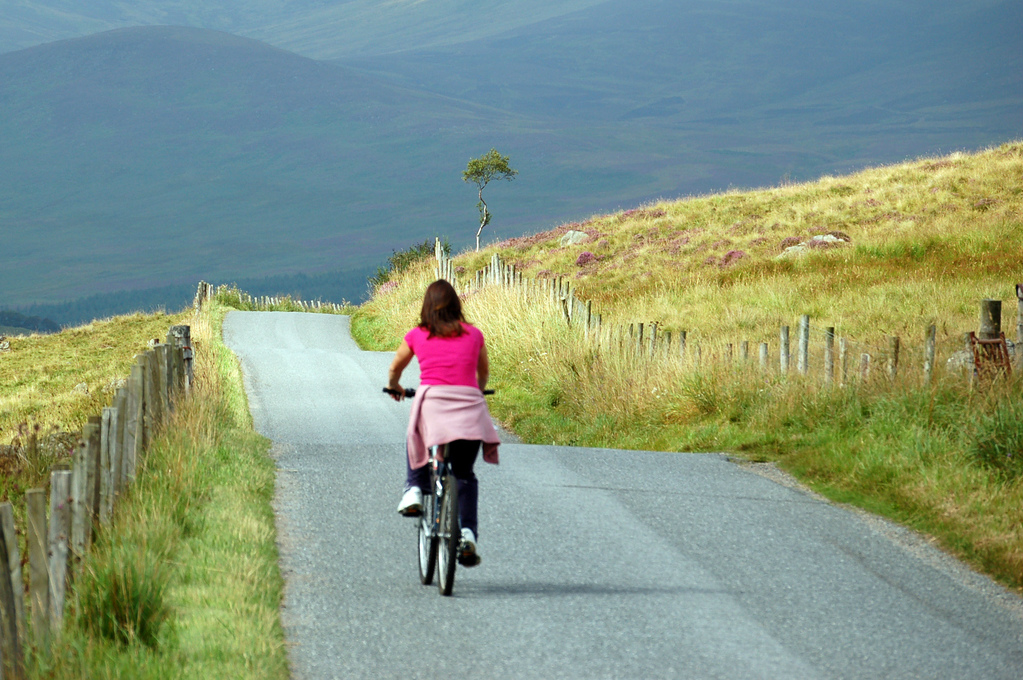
(329, 287)
(143, 158)
(153, 156)
(314, 28)
(684, 62)
(15, 323)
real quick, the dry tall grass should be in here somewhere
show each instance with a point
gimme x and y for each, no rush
(927, 241)
(184, 582)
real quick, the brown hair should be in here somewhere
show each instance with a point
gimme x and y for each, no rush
(442, 310)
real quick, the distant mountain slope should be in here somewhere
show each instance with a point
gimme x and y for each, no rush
(313, 28)
(23, 325)
(145, 157)
(684, 62)
(164, 155)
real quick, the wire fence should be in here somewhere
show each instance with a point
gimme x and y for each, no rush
(801, 348)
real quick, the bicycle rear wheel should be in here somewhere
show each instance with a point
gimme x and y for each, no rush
(427, 540)
(449, 535)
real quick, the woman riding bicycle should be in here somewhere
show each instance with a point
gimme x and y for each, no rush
(449, 407)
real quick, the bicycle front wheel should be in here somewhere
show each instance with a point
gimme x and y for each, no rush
(449, 535)
(427, 540)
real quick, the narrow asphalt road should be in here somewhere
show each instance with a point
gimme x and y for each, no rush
(596, 563)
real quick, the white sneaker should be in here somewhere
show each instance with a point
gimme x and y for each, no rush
(411, 502)
(467, 555)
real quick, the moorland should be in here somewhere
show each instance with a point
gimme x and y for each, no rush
(147, 147)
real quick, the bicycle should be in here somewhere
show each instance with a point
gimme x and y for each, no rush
(438, 529)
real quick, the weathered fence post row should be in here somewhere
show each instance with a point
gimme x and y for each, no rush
(639, 340)
(84, 498)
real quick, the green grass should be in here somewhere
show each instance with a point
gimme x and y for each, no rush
(185, 581)
(941, 458)
(51, 384)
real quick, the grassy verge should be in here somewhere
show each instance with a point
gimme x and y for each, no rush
(185, 582)
(928, 241)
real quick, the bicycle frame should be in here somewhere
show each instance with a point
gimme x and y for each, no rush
(438, 471)
(439, 529)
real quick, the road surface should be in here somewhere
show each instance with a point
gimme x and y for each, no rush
(596, 563)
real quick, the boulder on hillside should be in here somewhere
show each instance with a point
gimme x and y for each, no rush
(819, 242)
(573, 237)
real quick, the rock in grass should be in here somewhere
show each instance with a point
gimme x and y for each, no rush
(819, 242)
(573, 237)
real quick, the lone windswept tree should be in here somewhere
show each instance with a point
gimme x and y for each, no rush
(481, 171)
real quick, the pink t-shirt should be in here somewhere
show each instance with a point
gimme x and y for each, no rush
(447, 361)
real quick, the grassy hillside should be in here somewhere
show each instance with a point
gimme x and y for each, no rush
(922, 242)
(919, 243)
(192, 543)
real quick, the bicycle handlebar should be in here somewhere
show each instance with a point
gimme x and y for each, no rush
(409, 392)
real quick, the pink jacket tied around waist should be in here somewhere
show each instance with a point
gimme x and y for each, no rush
(444, 413)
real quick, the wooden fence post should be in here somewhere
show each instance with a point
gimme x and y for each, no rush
(11, 660)
(893, 356)
(176, 363)
(134, 424)
(57, 539)
(162, 380)
(829, 355)
(79, 483)
(150, 398)
(13, 572)
(990, 319)
(784, 351)
(1019, 325)
(843, 361)
(929, 344)
(763, 356)
(39, 572)
(744, 351)
(84, 487)
(117, 451)
(107, 447)
(864, 367)
(682, 345)
(804, 344)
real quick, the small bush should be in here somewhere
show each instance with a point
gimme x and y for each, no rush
(731, 257)
(585, 257)
(122, 597)
(998, 442)
(401, 260)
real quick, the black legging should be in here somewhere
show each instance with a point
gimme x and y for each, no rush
(461, 456)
